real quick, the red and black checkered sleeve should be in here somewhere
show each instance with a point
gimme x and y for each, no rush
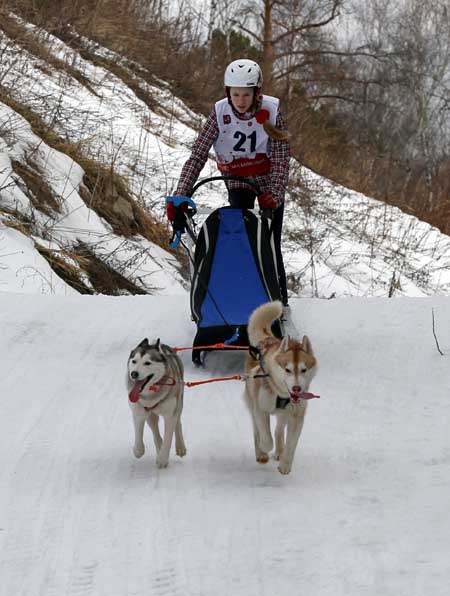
(198, 157)
(279, 153)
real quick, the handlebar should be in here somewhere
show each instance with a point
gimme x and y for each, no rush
(225, 178)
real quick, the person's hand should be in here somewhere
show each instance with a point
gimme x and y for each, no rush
(176, 206)
(267, 201)
(176, 209)
(171, 211)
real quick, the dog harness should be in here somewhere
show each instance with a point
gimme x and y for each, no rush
(282, 402)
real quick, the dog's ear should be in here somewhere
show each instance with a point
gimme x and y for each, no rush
(144, 343)
(158, 344)
(306, 345)
(284, 346)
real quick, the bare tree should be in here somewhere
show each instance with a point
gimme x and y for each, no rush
(284, 30)
(408, 111)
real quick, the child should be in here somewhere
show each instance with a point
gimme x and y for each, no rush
(249, 138)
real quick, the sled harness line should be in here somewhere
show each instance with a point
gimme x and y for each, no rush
(282, 402)
(173, 382)
(191, 384)
(219, 346)
(255, 352)
(233, 378)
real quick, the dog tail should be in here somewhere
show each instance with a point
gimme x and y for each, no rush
(260, 322)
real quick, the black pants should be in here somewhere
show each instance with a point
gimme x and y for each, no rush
(243, 198)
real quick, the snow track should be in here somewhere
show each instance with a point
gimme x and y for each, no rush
(364, 512)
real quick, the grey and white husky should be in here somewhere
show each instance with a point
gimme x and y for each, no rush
(155, 388)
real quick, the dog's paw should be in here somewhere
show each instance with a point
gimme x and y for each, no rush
(263, 458)
(139, 450)
(181, 451)
(162, 463)
(277, 456)
(284, 468)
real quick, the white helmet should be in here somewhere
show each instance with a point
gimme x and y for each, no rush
(243, 73)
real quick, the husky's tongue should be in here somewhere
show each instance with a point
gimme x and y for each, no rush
(296, 396)
(136, 391)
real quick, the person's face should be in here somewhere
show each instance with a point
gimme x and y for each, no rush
(241, 98)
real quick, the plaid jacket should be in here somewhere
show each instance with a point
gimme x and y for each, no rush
(278, 152)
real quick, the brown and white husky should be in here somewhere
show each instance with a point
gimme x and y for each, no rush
(277, 383)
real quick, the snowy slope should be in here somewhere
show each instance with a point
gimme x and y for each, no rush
(337, 242)
(364, 511)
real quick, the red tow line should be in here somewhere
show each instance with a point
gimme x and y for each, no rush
(194, 383)
(212, 347)
(219, 346)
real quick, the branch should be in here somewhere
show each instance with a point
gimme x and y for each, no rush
(261, 41)
(340, 97)
(334, 53)
(303, 27)
(335, 78)
(434, 333)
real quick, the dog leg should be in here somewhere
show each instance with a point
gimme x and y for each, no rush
(294, 428)
(261, 457)
(153, 423)
(180, 447)
(279, 436)
(139, 423)
(162, 459)
(262, 420)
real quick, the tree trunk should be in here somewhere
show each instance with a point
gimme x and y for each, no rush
(268, 50)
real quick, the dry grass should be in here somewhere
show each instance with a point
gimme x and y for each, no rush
(16, 221)
(104, 190)
(29, 41)
(106, 193)
(33, 185)
(64, 269)
(121, 73)
(104, 279)
(75, 264)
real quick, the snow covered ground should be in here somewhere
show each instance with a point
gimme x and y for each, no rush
(364, 511)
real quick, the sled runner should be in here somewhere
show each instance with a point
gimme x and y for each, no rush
(233, 271)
